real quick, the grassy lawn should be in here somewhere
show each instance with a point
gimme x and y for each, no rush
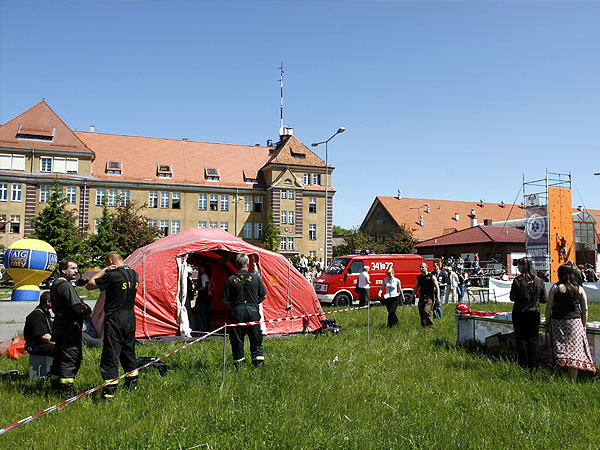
(409, 388)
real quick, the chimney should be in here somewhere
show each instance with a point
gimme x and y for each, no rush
(269, 143)
(185, 139)
(286, 131)
(92, 128)
(481, 203)
(473, 221)
(428, 210)
(522, 205)
(472, 213)
(502, 204)
(399, 195)
(421, 222)
(456, 216)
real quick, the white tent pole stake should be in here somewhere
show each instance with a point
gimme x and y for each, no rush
(224, 353)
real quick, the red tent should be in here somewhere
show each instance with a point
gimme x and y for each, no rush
(164, 266)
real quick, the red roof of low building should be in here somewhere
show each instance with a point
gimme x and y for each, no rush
(477, 235)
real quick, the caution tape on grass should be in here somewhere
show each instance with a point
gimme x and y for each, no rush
(90, 391)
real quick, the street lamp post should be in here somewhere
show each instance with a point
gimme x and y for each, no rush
(315, 144)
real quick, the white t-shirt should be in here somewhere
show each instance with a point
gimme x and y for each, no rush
(392, 287)
(364, 279)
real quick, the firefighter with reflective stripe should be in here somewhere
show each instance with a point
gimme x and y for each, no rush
(244, 292)
(119, 283)
(69, 311)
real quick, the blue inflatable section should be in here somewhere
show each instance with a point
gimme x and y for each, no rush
(22, 295)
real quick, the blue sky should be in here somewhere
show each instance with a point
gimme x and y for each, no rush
(445, 100)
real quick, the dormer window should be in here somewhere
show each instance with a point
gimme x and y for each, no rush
(113, 167)
(164, 171)
(250, 176)
(298, 152)
(211, 174)
(32, 133)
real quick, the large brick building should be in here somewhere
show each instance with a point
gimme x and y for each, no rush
(183, 183)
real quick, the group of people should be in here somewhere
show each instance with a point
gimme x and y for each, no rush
(62, 336)
(312, 268)
(566, 318)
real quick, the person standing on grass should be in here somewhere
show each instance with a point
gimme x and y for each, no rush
(527, 292)
(566, 319)
(120, 283)
(69, 312)
(453, 282)
(364, 287)
(443, 281)
(392, 292)
(428, 295)
(203, 301)
(243, 293)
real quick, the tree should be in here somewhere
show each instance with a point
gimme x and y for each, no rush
(57, 225)
(103, 241)
(339, 231)
(131, 228)
(356, 241)
(400, 242)
(271, 239)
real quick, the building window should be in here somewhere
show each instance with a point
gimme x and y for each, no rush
(258, 203)
(214, 225)
(164, 199)
(176, 200)
(283, 216)
(97, 223)
(113, 194)
(291, 243)
(283, 243)
(44, 193)
(45, 164)
(312, 253)
(3, 223)
(291, 217)
(72, 165)
(307, 178)
(59, 165)
(202, 201)
(12, 162)
(152, 223)
(312, 232)
(247, 203)
(312, 204)
(202, 224)
(247, 230)
(224, 202)
(164, 228)
(153, 199)
(225, 226)
(257, 230)
(317, 179)
(15, 224)
(175, 226)
(72, 195)
(3, 192)
(164, 171)
(100, 196)
(16, 194)
(284, 193)
(211, 174)
(113, 168)
(214, 202)
(291, 194)
(125, 197)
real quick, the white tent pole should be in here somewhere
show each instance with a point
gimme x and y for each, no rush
(368, 321)
(224, 353)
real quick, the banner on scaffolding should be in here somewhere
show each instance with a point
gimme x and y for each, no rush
(536, 237)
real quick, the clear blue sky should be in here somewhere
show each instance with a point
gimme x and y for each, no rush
(446, 100)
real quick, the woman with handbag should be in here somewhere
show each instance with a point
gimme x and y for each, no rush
(566, 318)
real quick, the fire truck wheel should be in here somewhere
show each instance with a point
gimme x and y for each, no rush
(407, 296)
(342, 300)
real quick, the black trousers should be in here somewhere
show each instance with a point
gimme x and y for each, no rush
(67, 350)
(363, 296)
(202, 314)
(246, 313)
(391, 304)
(119, 344)
(43, 349)
(527, 327)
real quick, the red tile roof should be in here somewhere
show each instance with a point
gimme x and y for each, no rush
(477, 235)
(40, 120)
(292, 152)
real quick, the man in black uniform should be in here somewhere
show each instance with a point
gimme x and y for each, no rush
(38, 328)
(244, 292)
(69, 312)
(119, 283)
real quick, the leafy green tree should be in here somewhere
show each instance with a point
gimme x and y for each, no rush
(57, 225)
(400, 242)
(356, 241)
(131, 228)
(339, 231)
(103, 241)
(271, 239)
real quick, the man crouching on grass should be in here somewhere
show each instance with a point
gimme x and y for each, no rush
(120, 283)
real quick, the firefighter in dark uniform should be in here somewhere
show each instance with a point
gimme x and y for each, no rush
(69, 312)
(38, 328)
(244, 292)
(119, 283)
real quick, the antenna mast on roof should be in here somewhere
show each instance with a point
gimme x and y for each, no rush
(281, 106)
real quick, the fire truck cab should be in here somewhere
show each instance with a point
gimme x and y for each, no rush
(337, 284)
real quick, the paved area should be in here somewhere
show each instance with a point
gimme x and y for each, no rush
(12, 317)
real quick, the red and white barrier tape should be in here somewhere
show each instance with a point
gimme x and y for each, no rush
(90, 391)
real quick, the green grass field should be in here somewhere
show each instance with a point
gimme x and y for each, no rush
(409, 388)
